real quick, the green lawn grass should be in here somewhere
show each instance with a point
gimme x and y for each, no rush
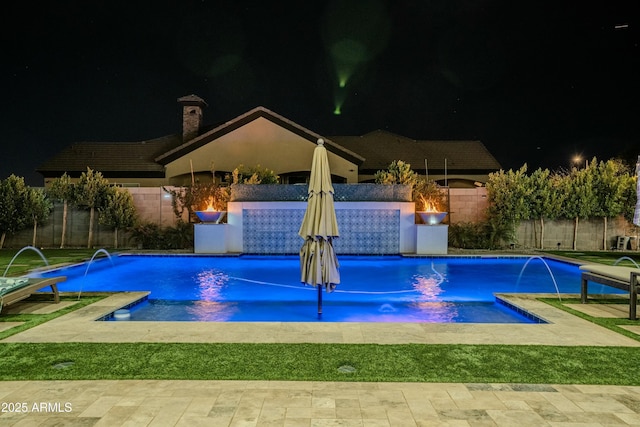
(315, 362)
(320, 362)
(603, 257)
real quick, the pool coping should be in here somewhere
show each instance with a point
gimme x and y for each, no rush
(123, 313)
(563, 329)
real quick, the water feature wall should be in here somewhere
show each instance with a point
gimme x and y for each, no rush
(372, 219)
(366, 228)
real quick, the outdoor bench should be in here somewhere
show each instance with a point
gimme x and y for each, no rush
(624, 278)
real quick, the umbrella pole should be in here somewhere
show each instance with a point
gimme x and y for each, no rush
(319, 301)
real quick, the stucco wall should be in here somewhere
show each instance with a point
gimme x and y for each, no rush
(263, 143)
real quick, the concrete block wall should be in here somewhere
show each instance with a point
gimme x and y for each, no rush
(590, 234)
(50, 234)
(153, 204)
(467, 204)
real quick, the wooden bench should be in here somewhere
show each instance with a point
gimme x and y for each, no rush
(24, 290)
(624, 278)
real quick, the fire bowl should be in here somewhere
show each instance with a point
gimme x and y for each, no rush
(210, 216)
(432, 218)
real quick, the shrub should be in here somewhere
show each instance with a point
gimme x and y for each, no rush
(178, 237)
(480, 235)
(398, 172)
(254, 175)
(149, 235)
(198, 197)
(428, 194)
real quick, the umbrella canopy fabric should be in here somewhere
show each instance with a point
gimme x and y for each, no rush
(319, 264)
(318, 261)
(636, 215)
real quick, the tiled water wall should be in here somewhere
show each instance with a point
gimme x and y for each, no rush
(275, 231)
(367, 228)
(271, 231)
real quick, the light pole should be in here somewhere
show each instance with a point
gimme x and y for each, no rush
(577, 160)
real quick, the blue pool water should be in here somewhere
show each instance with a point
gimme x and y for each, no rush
(372, 289)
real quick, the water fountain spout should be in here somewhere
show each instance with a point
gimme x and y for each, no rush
(33, 248)
(104, 251)
(626, 258)
(548, 269)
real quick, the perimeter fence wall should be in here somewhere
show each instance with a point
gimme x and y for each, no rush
(153, 204)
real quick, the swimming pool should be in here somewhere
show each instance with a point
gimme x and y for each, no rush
(373, 289)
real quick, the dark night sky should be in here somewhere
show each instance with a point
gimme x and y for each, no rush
(535, 81)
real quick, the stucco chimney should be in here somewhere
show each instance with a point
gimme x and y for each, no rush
(191, 116)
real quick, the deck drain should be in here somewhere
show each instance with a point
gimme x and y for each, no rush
(346, 369)
(63, 365)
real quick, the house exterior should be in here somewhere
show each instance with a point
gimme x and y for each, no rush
(265, 138)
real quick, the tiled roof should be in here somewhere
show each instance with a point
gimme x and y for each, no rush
(379, 148)
(111, 157)
(373, 151)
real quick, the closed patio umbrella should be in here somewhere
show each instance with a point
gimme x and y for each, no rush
(636, 214)
(318, 261)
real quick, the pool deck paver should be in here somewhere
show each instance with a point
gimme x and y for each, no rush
(563, 329)
(287, 403)
(319, 404)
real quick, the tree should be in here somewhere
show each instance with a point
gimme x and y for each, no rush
(610, 181)
(541, 191)
(90, 191)
(580, 201)
(13, 205)
(508, 194)
(118, 211)
(62, 189)
(630, 198)
(546, 198)
(38, 207)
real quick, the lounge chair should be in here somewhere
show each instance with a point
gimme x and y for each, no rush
(625, 278)
(14, 289)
